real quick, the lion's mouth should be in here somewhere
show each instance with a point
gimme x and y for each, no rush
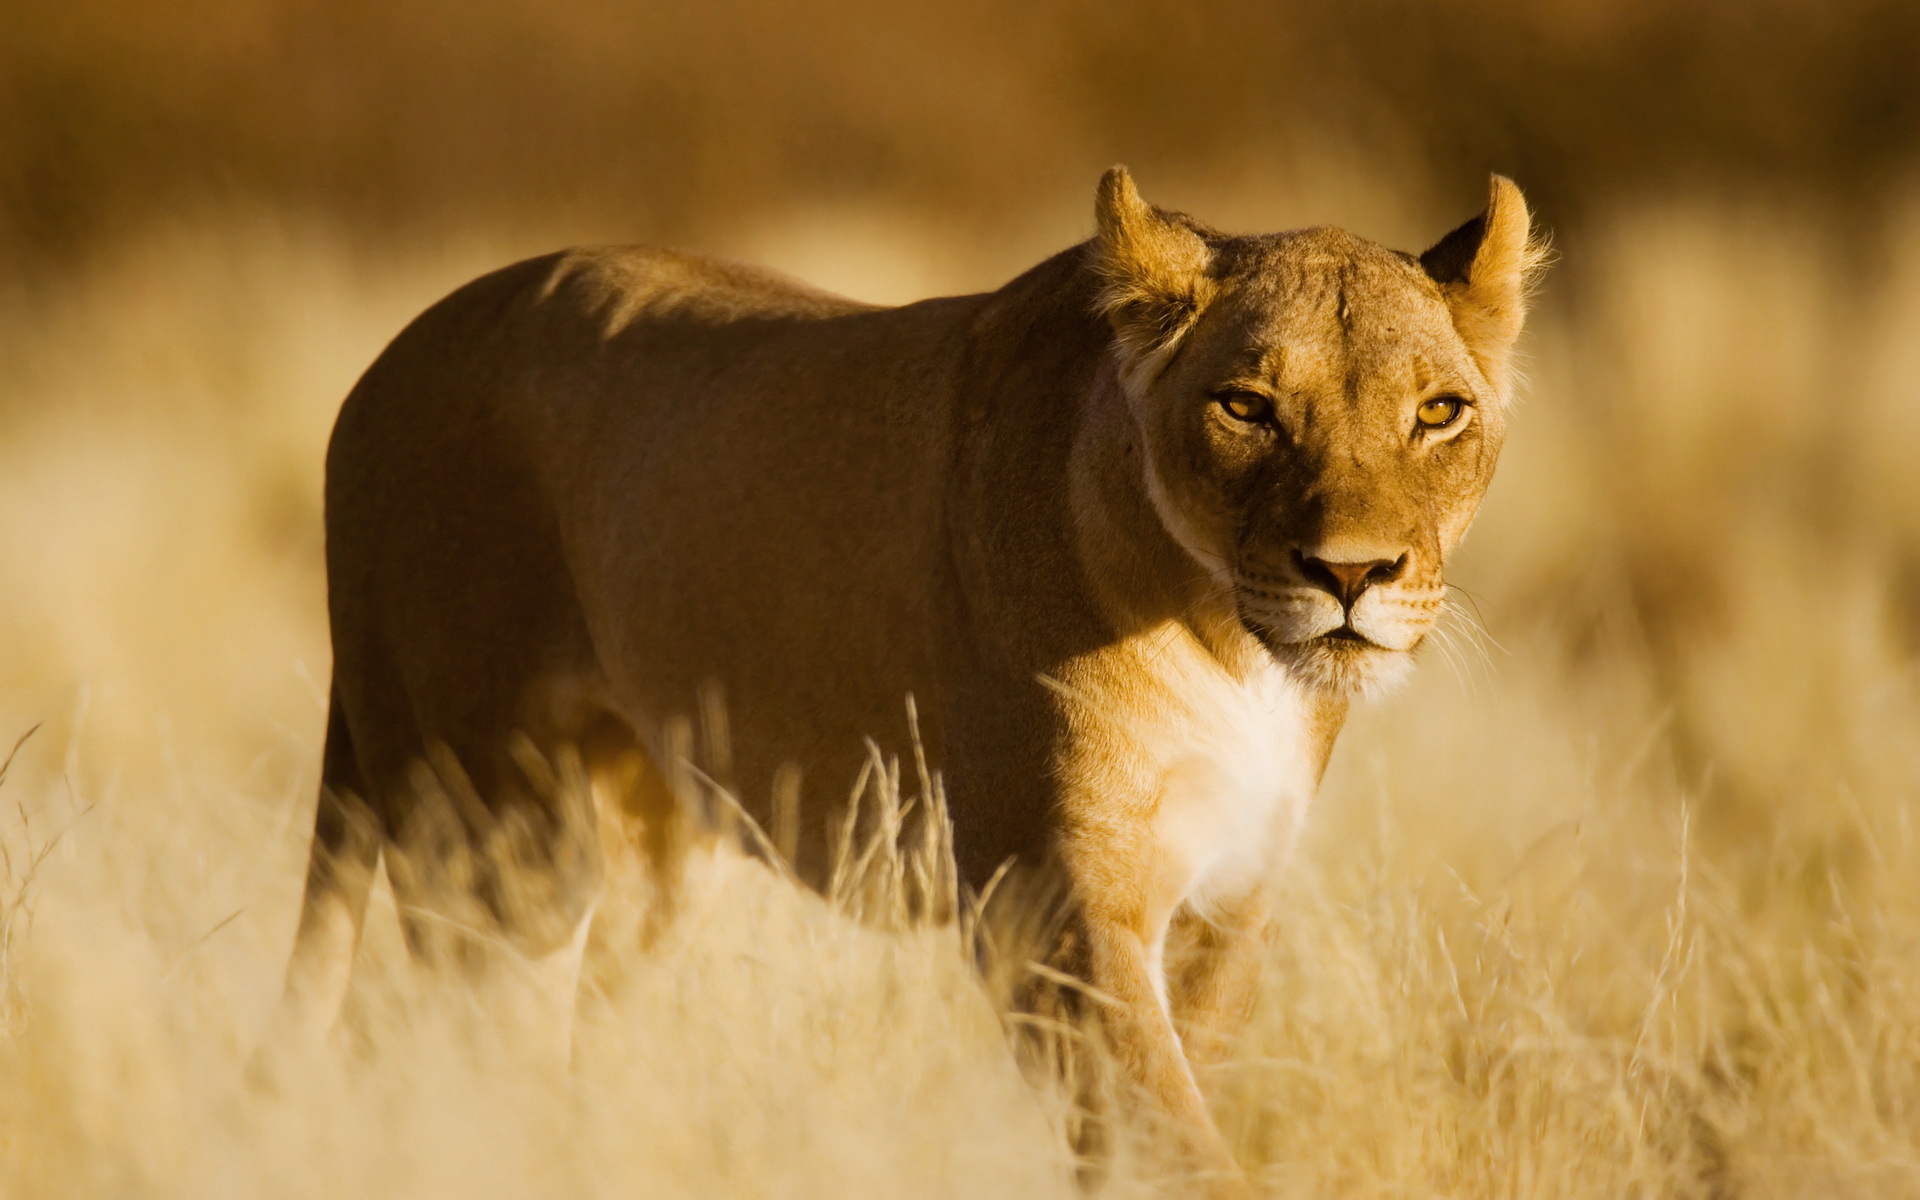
(1345, 643)
(1346, 633)
(1344, 638)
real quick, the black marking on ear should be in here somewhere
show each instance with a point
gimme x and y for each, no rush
(1451, 258)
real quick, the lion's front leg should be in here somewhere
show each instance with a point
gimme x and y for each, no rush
(1123, 964)
(1214, 965)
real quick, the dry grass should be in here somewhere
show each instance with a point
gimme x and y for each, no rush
(1621, 898)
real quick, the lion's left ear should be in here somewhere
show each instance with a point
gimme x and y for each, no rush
(1486, 269)
(1153, 271)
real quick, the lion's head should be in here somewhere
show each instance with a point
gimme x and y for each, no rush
(1319, 416)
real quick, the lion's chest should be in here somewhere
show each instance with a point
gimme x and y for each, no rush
(1234, 789)
(1196, 779)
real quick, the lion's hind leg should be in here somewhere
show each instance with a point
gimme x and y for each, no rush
(340, 869)
(497, 871)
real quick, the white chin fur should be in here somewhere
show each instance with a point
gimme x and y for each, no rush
(1346, 668)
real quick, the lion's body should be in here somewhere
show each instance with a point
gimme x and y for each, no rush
(580, 493)
(648, 511)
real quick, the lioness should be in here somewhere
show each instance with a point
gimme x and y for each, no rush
(1132, 529)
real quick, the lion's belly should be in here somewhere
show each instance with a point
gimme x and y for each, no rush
(1234, 797)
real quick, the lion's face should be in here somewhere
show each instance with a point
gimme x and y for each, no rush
(1321, 440)
(1319, 437)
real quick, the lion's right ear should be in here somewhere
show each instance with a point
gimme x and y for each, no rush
(1153, 275)
(1486, 269)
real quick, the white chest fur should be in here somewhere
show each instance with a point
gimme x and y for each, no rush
(1193, 779)
(1236, 787)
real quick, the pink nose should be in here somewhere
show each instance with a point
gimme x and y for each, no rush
(1346, 580)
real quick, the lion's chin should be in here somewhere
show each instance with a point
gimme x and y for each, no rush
(1343, 663)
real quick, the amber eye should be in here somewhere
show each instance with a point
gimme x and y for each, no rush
(1246, 406)
(1440, 412)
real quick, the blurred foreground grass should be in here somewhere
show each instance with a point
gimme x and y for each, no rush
(1620, 898)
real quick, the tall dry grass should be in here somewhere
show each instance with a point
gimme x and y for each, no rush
(1620, 898)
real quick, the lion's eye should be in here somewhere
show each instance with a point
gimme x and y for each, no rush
(1246, 406)
(1440, 412)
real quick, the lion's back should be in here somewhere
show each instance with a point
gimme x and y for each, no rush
(552, 350)
(620, 285)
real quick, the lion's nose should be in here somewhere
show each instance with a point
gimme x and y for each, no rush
(1347, 579)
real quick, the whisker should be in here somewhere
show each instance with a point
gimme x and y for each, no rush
(1443, 641)
(1463, 629)
(1474, 621)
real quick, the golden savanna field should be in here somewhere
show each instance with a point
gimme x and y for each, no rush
(1620, 897)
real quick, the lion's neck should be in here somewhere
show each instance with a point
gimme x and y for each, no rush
(1139, 574)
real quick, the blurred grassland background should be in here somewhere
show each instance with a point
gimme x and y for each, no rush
(1620, 898)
